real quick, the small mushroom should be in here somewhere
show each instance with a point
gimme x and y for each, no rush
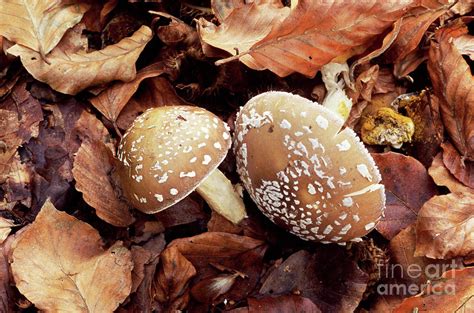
(170, 151)
(304, 171)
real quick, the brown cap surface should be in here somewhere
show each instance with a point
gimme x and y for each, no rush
(167, 152)
(304, 171)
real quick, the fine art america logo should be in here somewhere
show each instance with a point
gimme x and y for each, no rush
(413, 279)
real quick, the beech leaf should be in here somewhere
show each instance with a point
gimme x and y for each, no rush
(288, 303)
(452, 293)
(59, 264)
(407, 187)
(38, 25)
(442, 177)
(92, 167)
(445, 226)
(71, 70)
(463, 170)
(453, 85)
(314, 33)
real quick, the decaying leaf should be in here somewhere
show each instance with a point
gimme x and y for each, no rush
(38, 25)
(453, 293)
(315, 276)
(171, 288)
(72, 70)
(92, 169)
(59, 264)
(453, 85)
(442, 177)
(407, 272)
(111, 101)
(314, 33)
(460, 168)
(289, 303)
(407, 187)
(5, 228)
(445, 226)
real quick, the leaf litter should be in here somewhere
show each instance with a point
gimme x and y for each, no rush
(74, 75)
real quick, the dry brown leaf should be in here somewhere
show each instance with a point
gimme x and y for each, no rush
(407, 187)
(289, 303)
(445, 226)
(72, 70)
(442, 177)
(453, 84)
(140, 257)
(5, 228)
(92, 167)
(171, 287)
(316, 277)
(38, 25)
(463, 170)
(315, 33)
(412, 30)
(59, 264)
(452, 293)
(6, 288)
(408, 272)
(111, 101)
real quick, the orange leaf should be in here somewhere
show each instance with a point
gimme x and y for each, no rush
(314, 34)
(445, 226)
(453, 293)
(453, 85)
(463, 170)
(59, 264)
(92, 166)
(442, 177)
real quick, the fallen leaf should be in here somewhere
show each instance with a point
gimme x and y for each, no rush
(314, 33)
(406, 275)
(5, 228)
(445, 226)
(208, 290)
(157, 92)
(38, 25)
(18, 183)
(407, 187)
(111, 101)
(314, 276)
(453, 293)
(186, 211)
(20, 115)
(171, 288)
(289, 303)
(72, 70)
(6, 288)
(452, 83)
(59, 264)
(460, 168)
(238, 254)
(411, 33)
(92, 169)
(140, 257)
(402, 68)
(442, 177)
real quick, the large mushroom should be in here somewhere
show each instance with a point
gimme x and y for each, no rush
(170, 151)
(305, 171)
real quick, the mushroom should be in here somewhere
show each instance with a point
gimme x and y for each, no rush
(170, 151)
(304, 171)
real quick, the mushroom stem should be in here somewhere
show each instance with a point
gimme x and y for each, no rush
(336, 99)
(221, 196)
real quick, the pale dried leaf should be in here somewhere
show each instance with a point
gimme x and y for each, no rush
(314, 34)
(5, 228)
(59, 264)
(453, 84)
(72, 71)
(38, 25)
(445, 226)
(442, 177)
(462, 169)
(92, 167)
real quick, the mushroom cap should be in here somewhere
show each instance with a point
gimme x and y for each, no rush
(167, 152)
(304, 171)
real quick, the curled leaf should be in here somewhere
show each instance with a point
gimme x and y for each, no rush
(72, 70)
(463, 170)
(442, 177)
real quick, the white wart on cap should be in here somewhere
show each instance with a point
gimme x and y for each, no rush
(304, 171)
(167, 152)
